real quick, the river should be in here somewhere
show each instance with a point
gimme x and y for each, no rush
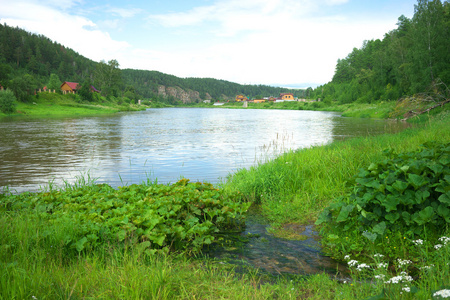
(166, 144)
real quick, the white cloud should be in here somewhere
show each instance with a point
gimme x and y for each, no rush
(246, 41)
(124, 12)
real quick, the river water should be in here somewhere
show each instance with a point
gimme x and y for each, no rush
(166, 144)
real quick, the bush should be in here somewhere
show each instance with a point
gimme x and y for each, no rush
(7, 102)
(407, 195)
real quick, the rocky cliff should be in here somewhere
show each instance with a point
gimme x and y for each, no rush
(186, 96)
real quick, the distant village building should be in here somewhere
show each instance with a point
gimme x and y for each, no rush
(69, 87)
(287, 96)
(241, 98)
(259, 100)
(72, 87)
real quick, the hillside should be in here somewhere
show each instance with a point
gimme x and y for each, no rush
(412, 59)
(27, 62)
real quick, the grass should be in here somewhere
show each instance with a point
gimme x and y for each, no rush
(306, 181)
(379, 110)
(36, 263)
(46, 105)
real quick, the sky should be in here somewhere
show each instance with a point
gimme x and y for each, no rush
(289, 43)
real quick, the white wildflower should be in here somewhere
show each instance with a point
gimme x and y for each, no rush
(380, 276)
(362, 266)
(427, 267)
(347, 257)
(438, 246)
(406, 289)
(403, 262)
(444, 240)
(382, 265)
(418, 242)
(400, 278)
(442, 293)
(378, 255)
(352, 263)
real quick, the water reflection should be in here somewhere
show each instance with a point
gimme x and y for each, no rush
(125, 148)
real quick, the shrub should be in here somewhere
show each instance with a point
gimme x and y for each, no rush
(7, 102)
(406, 194)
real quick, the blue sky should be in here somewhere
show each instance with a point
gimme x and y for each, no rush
(293, 43)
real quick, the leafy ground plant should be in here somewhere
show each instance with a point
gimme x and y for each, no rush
(403, 197)
(183, 216)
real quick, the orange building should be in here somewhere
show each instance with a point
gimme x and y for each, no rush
(241, 98)
(259, 100)
(287, 96)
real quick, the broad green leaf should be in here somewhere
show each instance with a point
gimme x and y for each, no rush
(80, 244)
(372, 167)
(370, 236)
(400, 185)
(345, 211)
(392, 217)
(416, 180)
(406, 218)
(391, 203)
(379, 228)
(443, 211)
(424, 216)
(122, 234)
(445, 198)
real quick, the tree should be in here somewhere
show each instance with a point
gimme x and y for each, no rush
(428, 26)
(108, 77)
(5, 71)
(7, 102)
(85, 91)
(54, 83)
(23, 87)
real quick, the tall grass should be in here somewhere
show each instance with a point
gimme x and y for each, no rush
(35, 264)
(297, 185)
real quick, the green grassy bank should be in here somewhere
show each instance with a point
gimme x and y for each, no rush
(40, 259)
(45, 105)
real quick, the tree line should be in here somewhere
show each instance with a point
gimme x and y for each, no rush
(29, 62)
(413, 58)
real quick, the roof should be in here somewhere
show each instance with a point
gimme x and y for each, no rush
(72, 85)
(94, 89)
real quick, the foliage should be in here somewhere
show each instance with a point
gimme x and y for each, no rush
(54, 83)
(85, 91)
(407, 194)
(107, 77)
(7, 102)
(408, 60)
(23, 87)
(182, 216)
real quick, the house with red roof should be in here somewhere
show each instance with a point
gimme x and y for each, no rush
(69, 87)
(72, 87)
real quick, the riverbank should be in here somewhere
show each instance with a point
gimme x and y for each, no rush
(377, 110)
(51, 105)
(36, 262)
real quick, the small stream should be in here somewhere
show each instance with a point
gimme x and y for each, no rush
(278, 256)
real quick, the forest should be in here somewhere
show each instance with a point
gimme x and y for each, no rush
(29, 62)
(412, 59)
